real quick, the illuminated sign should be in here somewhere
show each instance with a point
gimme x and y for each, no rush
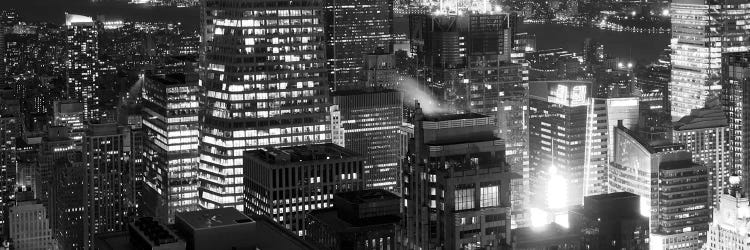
(560, 94)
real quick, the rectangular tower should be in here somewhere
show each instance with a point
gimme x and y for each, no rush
(266, 86)
(354, 29)
(371, 121)
(170, 121)
(82, 60)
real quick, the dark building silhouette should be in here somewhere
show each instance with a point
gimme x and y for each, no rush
(367, 219)
(612, 221)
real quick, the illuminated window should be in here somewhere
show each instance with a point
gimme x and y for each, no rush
(464, 197)
(489, 196)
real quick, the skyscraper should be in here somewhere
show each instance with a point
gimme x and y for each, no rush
(735, 72)
(701, 32)
(558, 112)
(354, 29)
(457, 186)
(82, 61)
(108, 181)
(170, 119)
(371, 121)
(705, 132)
(268, 89)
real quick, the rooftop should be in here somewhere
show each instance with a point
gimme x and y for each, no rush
(449, 117)
(312, 152)
(213, 218)
(369, 195)
(331, 218)
(174, 79)
(701, 119)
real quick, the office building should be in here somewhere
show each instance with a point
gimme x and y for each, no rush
(82, 61)
(558, 112)
(735, 70)
(697, 48)
(9, 134)
(109, 179)
(354, 29)
(456, 185)
(254, 101)
(371, 120)
(70, 114)
(67, 202)
(56, 145)
(674, 191)
(287, 183)
(367, 219)
(170, 122)
(705, 132)
(380, 71)
(29, 224)
(604, 115)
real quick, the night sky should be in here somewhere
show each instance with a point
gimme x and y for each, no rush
(53, 11)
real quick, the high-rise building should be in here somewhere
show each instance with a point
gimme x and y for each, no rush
(56, 145)
(367, 220)
(371, 120)
(287, 183)
(354, 29)
(269, 89)
(697, 48)
(67, 202)
(604, 115)
(29, 224)
(735, 72)
(108, 179)
(82, 61)
(466, 58)
(9, 134)
(705, 132)
(457, 186)
(558, 112)
(673, 189)
(170, 121)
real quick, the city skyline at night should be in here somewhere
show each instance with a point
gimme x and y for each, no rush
(374, 124)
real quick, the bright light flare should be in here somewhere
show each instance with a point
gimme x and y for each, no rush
(557, 190)
(539, 218)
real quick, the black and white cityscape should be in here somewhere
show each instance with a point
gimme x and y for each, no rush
(374, 124)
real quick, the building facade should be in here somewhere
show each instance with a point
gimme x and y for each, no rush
(371, 121)
(109, 180)
(705, 132)
(270, 89)
(456, 185)
(170, 119)
(701, 32)
(29, 224)
(287, 183)
(558, 112)
(82, 61)
(354, 29)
